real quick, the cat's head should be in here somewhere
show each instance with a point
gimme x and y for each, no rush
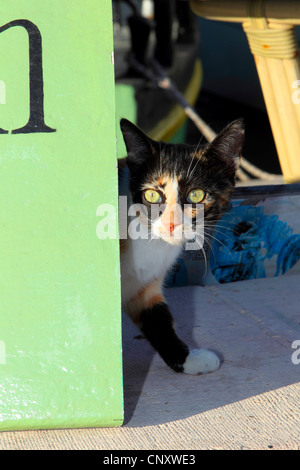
(182, 182)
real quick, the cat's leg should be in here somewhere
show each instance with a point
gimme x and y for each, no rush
(151, 314)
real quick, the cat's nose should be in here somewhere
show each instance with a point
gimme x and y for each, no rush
(170, 226)
(171, 219)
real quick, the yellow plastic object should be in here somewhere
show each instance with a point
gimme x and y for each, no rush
(237, 11)
(269, 26)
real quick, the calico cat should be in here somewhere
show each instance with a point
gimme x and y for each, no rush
(168, 177)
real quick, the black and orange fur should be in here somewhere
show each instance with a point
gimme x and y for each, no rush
(172, 170)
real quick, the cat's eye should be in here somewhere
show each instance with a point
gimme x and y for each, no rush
(196, 196)
(152, 196)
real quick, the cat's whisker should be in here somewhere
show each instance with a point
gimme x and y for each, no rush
(221, 243)
(191, 162)
(150, 240)
(206, 264)
(211, 248)
(201, 248)
(228, 221)
(222, 232)
(215, 226)
(193, 170)
(194, 154)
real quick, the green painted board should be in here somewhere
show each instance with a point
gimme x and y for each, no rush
(60, 325)
(126, 107)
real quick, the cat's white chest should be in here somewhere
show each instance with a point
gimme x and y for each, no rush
(144, 261)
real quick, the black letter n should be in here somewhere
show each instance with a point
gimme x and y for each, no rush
(36, 121)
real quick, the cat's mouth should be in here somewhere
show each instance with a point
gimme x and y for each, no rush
(173, 228)
(172, 238)
(174, 235)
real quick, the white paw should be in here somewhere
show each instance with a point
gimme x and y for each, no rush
(201, 361)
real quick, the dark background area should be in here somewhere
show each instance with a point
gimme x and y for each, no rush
(217, 112)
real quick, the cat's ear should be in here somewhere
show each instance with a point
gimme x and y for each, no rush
(227, 146)
(138, 145)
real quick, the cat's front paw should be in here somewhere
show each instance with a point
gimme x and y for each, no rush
(201, 361)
